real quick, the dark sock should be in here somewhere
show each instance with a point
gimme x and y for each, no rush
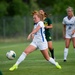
(52, 53)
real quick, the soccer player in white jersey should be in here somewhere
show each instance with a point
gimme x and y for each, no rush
(69, 30)
(38, 41)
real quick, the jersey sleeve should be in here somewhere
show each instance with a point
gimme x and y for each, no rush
(63, 22)
(49, 21)
(41, 24)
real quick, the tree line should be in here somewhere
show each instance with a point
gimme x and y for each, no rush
(15, 15)
(24, 7)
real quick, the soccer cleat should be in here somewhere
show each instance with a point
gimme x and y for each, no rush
(14, 67)
(58, 66)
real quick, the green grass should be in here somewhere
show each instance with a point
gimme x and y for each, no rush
(35, 64)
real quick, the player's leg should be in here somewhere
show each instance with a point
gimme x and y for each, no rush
(48, 58)
(28, 50)
(67, 43)
(51, 49)
(49, 40)
(73, 40)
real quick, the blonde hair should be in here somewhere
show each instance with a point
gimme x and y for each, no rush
(69, 8)
(38, 14)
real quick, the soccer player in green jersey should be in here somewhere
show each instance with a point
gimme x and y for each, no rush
(48, 32)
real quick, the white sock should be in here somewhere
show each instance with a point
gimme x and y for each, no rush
(65, 53)
(21, 58)
(52, 61)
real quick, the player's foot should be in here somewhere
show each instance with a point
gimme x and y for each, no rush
(14, 67)
(58, 66)
(64, 60)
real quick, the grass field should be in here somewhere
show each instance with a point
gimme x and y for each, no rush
(35, 64)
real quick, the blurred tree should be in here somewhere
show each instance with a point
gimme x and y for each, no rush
(22, 7)
(61, 5)
(18, 7)
(33, 5)
(56, 7)
(8, 1)
(44, 3)
(3, 8)
(27, 1)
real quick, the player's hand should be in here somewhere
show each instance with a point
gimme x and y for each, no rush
(32, 36)
(29, 36)
(46, 27)
(73, 32)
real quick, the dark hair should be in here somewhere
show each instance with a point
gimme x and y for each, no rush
(45, 14)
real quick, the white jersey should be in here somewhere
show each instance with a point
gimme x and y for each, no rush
(70, 24)
(40, 35)
(39, 40)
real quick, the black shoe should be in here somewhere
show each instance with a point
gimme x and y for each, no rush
(64, 60)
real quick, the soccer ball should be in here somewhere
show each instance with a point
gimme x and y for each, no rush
(11, 55)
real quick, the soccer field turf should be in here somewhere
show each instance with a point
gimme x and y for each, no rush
(35, 64)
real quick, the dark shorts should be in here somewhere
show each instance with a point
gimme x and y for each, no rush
(48, 37)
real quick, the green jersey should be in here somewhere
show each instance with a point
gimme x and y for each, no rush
(47, 22)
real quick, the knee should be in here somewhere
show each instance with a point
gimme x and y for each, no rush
(51, 48)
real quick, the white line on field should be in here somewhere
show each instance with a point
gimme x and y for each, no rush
(9, 46)
(32, 60)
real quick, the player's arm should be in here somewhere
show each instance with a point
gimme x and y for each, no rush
(50, 26)
(73, 32)
(64, 31)
(74, 29)
(33, 32)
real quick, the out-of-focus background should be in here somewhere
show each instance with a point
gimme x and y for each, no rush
(16, 20)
